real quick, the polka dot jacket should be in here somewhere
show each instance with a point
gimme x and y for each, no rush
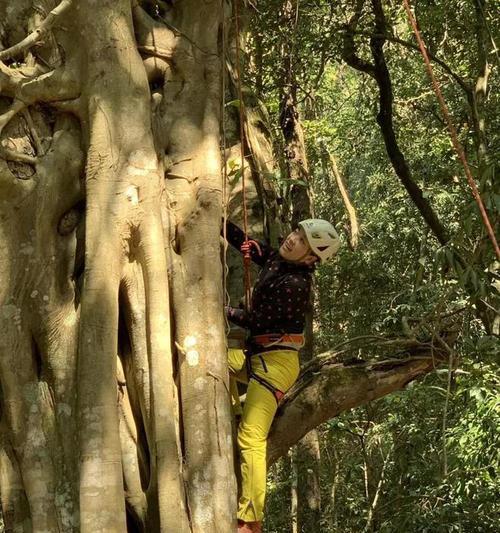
(280, 295)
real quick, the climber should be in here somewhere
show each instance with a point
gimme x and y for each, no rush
(275, 324)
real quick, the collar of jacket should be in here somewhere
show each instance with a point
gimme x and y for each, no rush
(293, 267)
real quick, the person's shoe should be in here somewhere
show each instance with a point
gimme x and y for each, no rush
(249, 527)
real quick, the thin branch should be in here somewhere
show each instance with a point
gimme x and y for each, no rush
(353, 219)
(34, 133)
(463, 84)
(17, 157)
(451, 358)
(38, 34)
(374, 502)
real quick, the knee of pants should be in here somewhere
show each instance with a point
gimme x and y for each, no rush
(235, 360)
(250, 440)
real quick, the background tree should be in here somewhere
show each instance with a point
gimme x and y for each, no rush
(400, 276)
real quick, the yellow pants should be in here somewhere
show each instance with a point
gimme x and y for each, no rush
(258, 412)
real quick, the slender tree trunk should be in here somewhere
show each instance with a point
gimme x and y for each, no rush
(296, 165)
(306, 459)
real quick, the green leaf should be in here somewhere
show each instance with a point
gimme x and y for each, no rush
(236, 178)
(234, 103)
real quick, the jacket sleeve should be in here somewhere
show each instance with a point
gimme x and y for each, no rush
(237, 316)
(236, 237)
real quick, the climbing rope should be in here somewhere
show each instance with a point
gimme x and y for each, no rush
(224, 167)
(247, 246)
(452, 130)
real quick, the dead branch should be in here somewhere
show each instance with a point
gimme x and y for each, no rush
(335, 388)
(353, 219)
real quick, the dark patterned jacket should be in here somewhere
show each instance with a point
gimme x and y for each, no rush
(280, 295)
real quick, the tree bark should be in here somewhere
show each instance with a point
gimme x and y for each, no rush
(66, 334)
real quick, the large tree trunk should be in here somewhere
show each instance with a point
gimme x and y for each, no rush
(59, 350)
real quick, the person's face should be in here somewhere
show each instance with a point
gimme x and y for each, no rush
(295, 248)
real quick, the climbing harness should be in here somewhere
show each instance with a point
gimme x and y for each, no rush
(452, 130)
(277, 394)
(293, 341)
(265, 343)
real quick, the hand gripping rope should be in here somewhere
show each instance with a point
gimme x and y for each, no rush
(248, 244)
(246, 250)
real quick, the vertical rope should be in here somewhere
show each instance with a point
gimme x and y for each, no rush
(225, 294)
(246, 258)
(452, 130)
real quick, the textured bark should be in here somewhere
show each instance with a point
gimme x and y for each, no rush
(82, 289)
(114, 404)
(191, 119)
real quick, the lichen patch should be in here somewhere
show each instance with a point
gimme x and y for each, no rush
(192, 357)
(132, 194)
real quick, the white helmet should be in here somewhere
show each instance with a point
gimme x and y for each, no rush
(321, 236)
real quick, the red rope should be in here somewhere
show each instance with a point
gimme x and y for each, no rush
(246, 248)
(453, 131)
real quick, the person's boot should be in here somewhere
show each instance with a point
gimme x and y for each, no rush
(249, 527)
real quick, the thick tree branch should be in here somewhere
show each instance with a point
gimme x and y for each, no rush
(384, 36)
(350, 56)
(326, 389)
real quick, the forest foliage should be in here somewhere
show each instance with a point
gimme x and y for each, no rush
(425, 459)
